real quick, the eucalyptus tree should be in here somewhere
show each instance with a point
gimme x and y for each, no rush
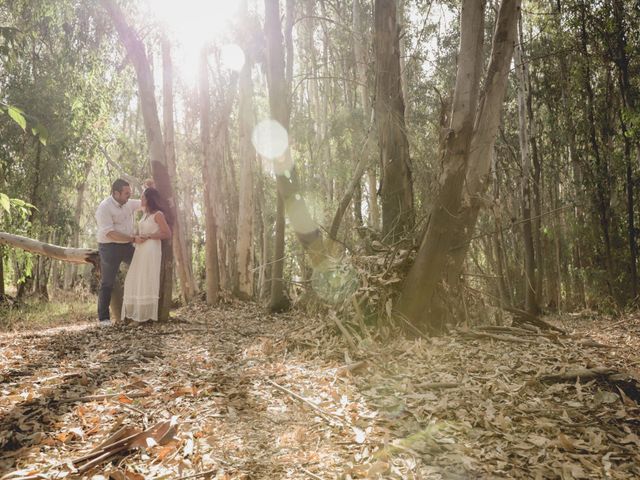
(466, 159)
(188, 287)
(528, 151)
(397, 189)
(247, 156)
(289, 197)
(212, 261)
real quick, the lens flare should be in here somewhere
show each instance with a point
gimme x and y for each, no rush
(232, 57)
(336, 283)
(270, 140)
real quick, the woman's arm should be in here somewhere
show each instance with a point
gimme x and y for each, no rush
(165, 230)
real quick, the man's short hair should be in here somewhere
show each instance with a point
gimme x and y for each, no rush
(118, 185)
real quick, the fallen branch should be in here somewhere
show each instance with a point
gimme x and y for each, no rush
(199, 474)
(502, 338)
(593, 343)
(514, 330)
(91, 398)
(521, 316)
(584, 374)
(160, 433)
(437, 385)
(344, 331)
(318, 409)
(311, 474)
(351, 368)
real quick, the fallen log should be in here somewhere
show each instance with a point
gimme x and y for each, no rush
(73, 255)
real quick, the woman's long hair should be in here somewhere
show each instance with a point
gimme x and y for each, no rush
(155, 203)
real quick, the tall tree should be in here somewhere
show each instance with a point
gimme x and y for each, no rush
(209, 178)
(466, 160)
(71, 268)
(526, 153)
(247, 157)
(289, 198)
(628, 98)
(601, 171)
(188, 286)
(397, 190)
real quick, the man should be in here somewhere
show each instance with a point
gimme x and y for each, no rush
(115, 240)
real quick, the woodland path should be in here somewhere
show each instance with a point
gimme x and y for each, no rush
(268, 397)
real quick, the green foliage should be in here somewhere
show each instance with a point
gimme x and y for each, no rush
(18, 116)
(15, 206)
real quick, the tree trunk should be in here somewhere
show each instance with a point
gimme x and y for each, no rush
(601, 175)
(348, 195)
(2, 288)
(26, 282)
(569, 131)
(404, 81)
(502, 271)
(71, 269)
(397, 190)
(467, 153)
(188, 285)
(208, 172)
(536, 161)
(278, 301)
(289, 198)
(136, 52)
(360, 41)
(628, 104)
(247, 158)
(264, 236)
(524, 130)
(374, 209)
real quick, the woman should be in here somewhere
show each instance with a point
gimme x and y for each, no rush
(142, 284)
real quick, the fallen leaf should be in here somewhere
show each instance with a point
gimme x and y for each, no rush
(360, 435)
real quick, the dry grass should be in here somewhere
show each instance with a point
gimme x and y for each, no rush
(65, 308)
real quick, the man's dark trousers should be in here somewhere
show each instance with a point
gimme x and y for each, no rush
(111, 256)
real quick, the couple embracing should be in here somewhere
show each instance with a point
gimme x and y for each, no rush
(118, 242)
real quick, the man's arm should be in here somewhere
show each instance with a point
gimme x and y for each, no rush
(119, 237)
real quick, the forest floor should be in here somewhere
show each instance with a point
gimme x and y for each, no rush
(234, 393)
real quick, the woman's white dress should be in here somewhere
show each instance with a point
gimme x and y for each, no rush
(142, 284)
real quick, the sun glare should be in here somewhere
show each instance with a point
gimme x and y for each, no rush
(270, 139)
(232, 57)
(193, 23)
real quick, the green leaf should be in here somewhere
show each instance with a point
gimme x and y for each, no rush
(41, 132)
(17, 116)
(4, 202)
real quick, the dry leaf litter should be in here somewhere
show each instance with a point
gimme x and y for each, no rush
(236, 393)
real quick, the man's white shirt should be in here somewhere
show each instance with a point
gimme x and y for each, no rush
(111, 216)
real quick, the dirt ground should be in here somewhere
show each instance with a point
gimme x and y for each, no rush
(235, 393)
